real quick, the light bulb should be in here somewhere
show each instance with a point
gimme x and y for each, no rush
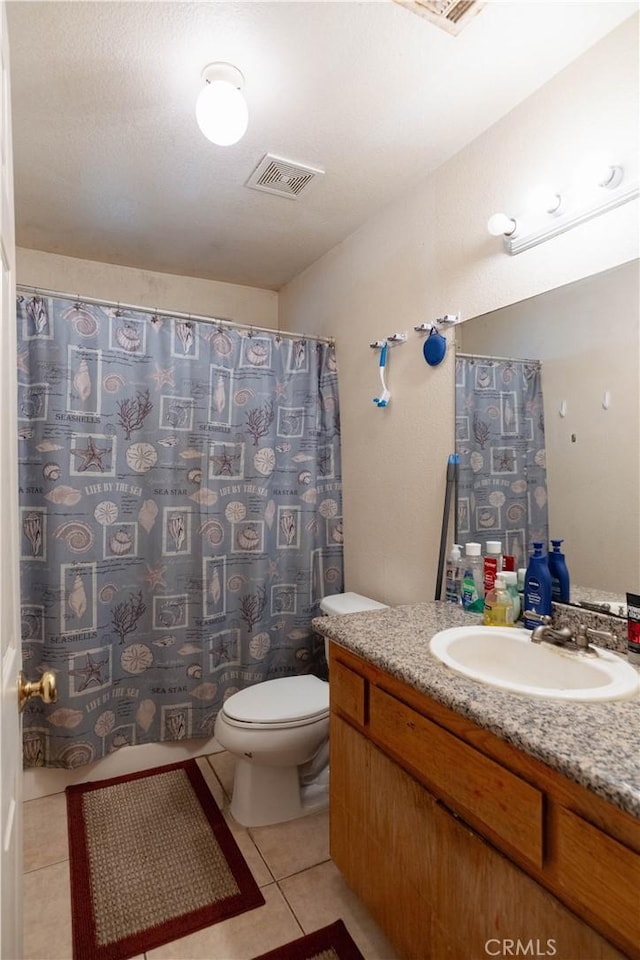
(501, 225)
(221, 110)
(598, 171)
(543, 199)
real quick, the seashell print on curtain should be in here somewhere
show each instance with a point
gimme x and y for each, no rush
(502, 480)
(180, 519)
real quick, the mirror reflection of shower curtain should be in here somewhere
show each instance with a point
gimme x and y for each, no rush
(181, 518)
(502, 482)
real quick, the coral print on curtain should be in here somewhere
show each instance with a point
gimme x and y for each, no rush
(502, 485)
(180, 519)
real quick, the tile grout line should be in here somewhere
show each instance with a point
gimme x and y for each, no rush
(248, 829)
(292, 911)
(43, 866)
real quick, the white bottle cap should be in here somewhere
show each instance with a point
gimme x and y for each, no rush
(500, 583)
(473, 549)
(522, 573)
(494, 546)
(509, 576)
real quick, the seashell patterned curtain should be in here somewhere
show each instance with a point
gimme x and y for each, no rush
(502, 479)
(180, 519)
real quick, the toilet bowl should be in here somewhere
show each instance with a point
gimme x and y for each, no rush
(278, 731)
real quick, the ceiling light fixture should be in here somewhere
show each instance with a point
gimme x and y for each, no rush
(221, 109)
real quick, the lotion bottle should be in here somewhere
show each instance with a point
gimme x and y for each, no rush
(537, 586)
(559, 573)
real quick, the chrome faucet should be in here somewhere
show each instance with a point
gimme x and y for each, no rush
(564, 636)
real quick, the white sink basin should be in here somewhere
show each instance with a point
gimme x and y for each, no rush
(505, 657)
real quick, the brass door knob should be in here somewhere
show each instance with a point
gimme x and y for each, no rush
(45, 688)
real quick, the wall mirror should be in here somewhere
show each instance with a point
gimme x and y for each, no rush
(587, 336)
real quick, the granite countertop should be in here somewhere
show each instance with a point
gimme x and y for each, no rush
(595, 744)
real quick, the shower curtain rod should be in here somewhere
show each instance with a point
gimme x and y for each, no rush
(216, 321)
(479, 356)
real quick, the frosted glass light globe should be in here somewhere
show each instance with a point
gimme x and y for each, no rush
(501, 225)
(598, 170)
(221, 110)
(543, 199)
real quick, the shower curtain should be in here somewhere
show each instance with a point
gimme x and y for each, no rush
(502, 483)
(180, 518)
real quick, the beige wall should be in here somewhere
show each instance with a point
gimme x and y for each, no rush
(429, 254)
(147, 289)
(587, 336)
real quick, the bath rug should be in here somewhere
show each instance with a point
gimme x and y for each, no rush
(329, 943)
(151, 860)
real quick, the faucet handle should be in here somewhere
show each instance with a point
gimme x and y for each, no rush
(540, 617)
(598, 634)
(584, 634)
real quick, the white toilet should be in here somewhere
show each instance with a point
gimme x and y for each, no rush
(279, 732)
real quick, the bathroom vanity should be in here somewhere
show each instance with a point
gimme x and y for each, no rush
(470, 820)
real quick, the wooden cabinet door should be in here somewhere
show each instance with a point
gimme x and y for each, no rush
(437, 889)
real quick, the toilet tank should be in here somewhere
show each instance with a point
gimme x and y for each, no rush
(341, 603)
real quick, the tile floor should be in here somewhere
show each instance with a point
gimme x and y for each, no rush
(303, 890)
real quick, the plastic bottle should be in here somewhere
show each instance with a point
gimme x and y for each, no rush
(633, 628)
(559, 573)
(510, 578)
(498, 605)
(522, 572)
(492, 564)
(473, 579)
(453, 575)
(537, 586)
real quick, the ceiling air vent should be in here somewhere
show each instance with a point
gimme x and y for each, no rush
(283, 177)
(451, 15)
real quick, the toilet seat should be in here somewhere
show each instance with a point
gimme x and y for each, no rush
(282, 703)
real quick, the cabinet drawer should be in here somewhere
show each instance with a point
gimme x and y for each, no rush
(599, 873)
(468, 781)
(347, 691)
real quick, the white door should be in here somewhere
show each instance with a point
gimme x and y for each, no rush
(10, 652)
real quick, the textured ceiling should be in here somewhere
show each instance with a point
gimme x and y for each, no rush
(111, 166)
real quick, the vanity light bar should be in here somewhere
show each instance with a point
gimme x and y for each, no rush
(517, 244)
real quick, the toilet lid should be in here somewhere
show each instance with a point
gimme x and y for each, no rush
(280, 701)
